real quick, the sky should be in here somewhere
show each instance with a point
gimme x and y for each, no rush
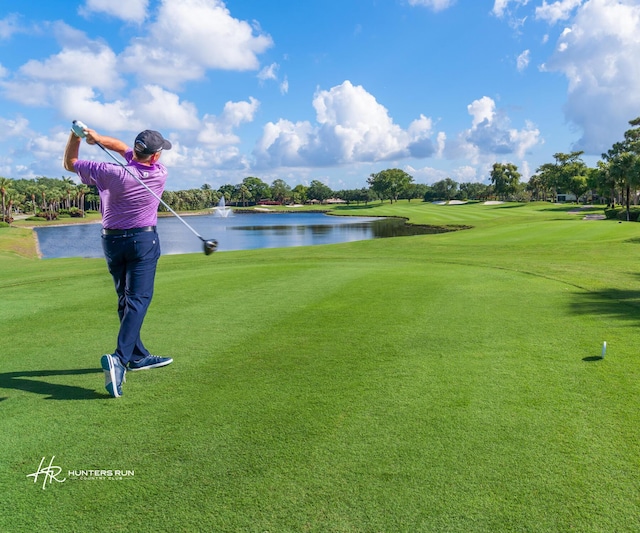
(327, 90)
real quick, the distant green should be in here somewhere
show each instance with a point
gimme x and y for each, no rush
(446, 382)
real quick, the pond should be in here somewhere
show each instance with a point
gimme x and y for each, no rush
(236, 232)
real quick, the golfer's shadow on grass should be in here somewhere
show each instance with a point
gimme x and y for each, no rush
(29, 382)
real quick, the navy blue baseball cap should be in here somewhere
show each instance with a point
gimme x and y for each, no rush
(149, 142)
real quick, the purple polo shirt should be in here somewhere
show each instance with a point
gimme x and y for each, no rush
(124, 203)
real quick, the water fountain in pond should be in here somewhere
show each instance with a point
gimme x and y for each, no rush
(222, 210)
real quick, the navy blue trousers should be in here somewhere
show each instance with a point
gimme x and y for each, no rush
(132, 261)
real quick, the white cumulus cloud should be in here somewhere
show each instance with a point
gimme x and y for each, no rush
(598, 56)
(84, 66)
(190, 36)
(218, 131)
(491, 135)
(482, 110)
(351, 126)
(162, 108)
(556, 11)
(81, 102)
(81, 65)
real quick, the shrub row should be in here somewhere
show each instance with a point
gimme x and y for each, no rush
(620, 213)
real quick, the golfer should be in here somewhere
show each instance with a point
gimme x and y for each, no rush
(129, 238)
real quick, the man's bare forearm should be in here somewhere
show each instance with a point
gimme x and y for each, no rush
(71, 152)
(110, 143)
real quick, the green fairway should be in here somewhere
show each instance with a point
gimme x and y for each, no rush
(445, 382)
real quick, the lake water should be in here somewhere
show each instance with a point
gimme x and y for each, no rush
(237, 232)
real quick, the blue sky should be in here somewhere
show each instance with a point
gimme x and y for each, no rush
(329, 90)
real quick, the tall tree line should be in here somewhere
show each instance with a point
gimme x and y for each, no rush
(616, 178)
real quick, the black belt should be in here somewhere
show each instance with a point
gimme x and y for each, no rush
(131, 231)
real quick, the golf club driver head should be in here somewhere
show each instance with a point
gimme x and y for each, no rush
(210, 246)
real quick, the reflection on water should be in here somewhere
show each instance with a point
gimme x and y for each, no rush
(398, 227)
(314, 229)
(376, 228)
(240, 232)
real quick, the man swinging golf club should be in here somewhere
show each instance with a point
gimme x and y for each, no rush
(129, 238)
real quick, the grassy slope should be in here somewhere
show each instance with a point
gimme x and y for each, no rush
(434, 383)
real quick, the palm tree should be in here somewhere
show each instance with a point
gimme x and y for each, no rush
(4, 185)
(13, 196)
(32, 191)
(82, 192)
(55, 195)
(94, 201)
(69, 186)
(244, 194)
(43, 194)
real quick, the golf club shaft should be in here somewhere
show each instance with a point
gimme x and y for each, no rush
(152, 193)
